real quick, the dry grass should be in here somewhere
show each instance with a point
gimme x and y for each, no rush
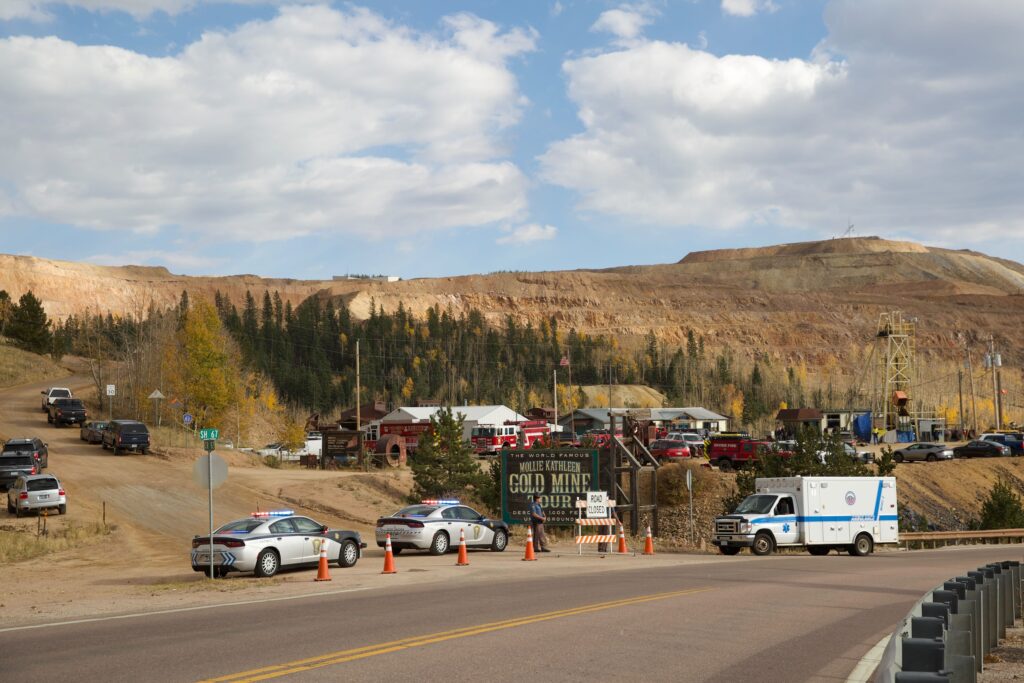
(23, 543)
(19, 367)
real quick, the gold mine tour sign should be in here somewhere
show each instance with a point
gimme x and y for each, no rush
(559, 476)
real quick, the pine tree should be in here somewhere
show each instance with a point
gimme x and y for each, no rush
(444, 464)
(29, 327)
(1002, 509)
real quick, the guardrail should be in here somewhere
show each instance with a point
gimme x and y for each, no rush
(948, 632)
(935, 538)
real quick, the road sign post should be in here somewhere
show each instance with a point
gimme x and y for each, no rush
(212, 473)
(111, 392)
(689, 488)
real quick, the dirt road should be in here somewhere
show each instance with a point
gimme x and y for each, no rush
(156, 508)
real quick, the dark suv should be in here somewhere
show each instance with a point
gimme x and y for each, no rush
(67, 411)
(126, 435)
(33, 446)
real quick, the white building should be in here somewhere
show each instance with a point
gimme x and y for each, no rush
(475, 416)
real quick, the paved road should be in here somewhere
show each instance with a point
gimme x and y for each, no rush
(786, 618)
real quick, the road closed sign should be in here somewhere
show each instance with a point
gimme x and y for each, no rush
(597, 505)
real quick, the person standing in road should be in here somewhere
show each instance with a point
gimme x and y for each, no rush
(540, 542)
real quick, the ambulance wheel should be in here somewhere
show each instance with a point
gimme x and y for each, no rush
(728, 550)
(439, 546)
(764, 544)
(862, 546)
(818, 549)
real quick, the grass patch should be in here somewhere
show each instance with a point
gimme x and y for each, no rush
(19, 367)
(22, 543)
(202, 584)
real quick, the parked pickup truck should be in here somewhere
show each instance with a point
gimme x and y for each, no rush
(14, 465)
(734, 452)
(66, 411)
(52, 394)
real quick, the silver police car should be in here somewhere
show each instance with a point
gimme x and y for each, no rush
(270, 541)
(435, 525)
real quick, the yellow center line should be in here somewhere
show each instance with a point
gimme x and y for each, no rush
(364, 652)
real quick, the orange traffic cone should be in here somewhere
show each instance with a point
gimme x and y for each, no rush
(622, 541)
(649, 543)
(322, 573)
(389, 558)
(529, 556)
(463, 555)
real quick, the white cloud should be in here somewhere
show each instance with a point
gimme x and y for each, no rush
(316, 121)
(37, 10)
(626, 22)
(748, 8)
(557, 9)
(526, 234)
(885, 122)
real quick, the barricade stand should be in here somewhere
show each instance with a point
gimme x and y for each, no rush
(582, 522)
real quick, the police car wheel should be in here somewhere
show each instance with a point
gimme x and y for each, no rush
(500, 541)
(349, 554)
(396, 551)
(728, 550)
(267, 564)
(220, 572)
(439, 546)
(763, 544)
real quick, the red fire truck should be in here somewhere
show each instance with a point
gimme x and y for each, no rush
(490, 440)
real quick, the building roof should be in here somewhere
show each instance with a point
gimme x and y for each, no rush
(478, 414)
(799, 415)
(659, 414)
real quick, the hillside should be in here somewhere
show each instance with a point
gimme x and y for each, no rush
(799, 301)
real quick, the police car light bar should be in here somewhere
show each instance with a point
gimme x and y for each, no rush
(439, 502)
(274, 513)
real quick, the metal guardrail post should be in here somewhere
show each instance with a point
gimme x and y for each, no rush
(923, 654)
(927, 627)
(1009, 597)
(1014, 566)
(984, 630)
(991, 604)
(1001, 579)
(971, 604)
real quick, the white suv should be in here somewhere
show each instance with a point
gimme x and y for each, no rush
(49, 395)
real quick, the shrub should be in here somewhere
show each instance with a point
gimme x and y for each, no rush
(1002, 509)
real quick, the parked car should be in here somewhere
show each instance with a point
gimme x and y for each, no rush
(565, 440)
(1013, 441)
(126, 435)
(270, 541)
(49, 395)
(669, 450)
(981, 449)
(435, 525)
(92, 432)
(36, 492)
(66, 411)
(693, 440)
(14, 465)
(923, 451)
(30, 445)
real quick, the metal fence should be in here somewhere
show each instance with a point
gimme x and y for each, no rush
(948, 632)
(935, 539)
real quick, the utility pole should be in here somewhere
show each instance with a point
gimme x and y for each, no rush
(974, 398)
(960, 390)
(993, 361)
(358, 393)
(554, 393)
(572, 398)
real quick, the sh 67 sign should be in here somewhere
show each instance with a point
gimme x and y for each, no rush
(559, 477)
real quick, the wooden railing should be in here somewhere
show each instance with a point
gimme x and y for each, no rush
(936, 538)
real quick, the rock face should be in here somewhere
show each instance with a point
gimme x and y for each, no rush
(789, 300)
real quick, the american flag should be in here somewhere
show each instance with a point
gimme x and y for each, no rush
(564, 362)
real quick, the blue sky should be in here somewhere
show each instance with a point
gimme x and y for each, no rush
(420, 138)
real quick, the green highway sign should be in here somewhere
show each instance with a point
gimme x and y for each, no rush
(209, 434)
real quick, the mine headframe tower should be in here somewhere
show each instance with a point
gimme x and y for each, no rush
(896, 337)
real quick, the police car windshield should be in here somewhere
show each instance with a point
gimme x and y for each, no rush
(416, 511)
(241, 526)
(758, 504)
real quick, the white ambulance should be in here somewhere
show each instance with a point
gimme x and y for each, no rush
(819, 513)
